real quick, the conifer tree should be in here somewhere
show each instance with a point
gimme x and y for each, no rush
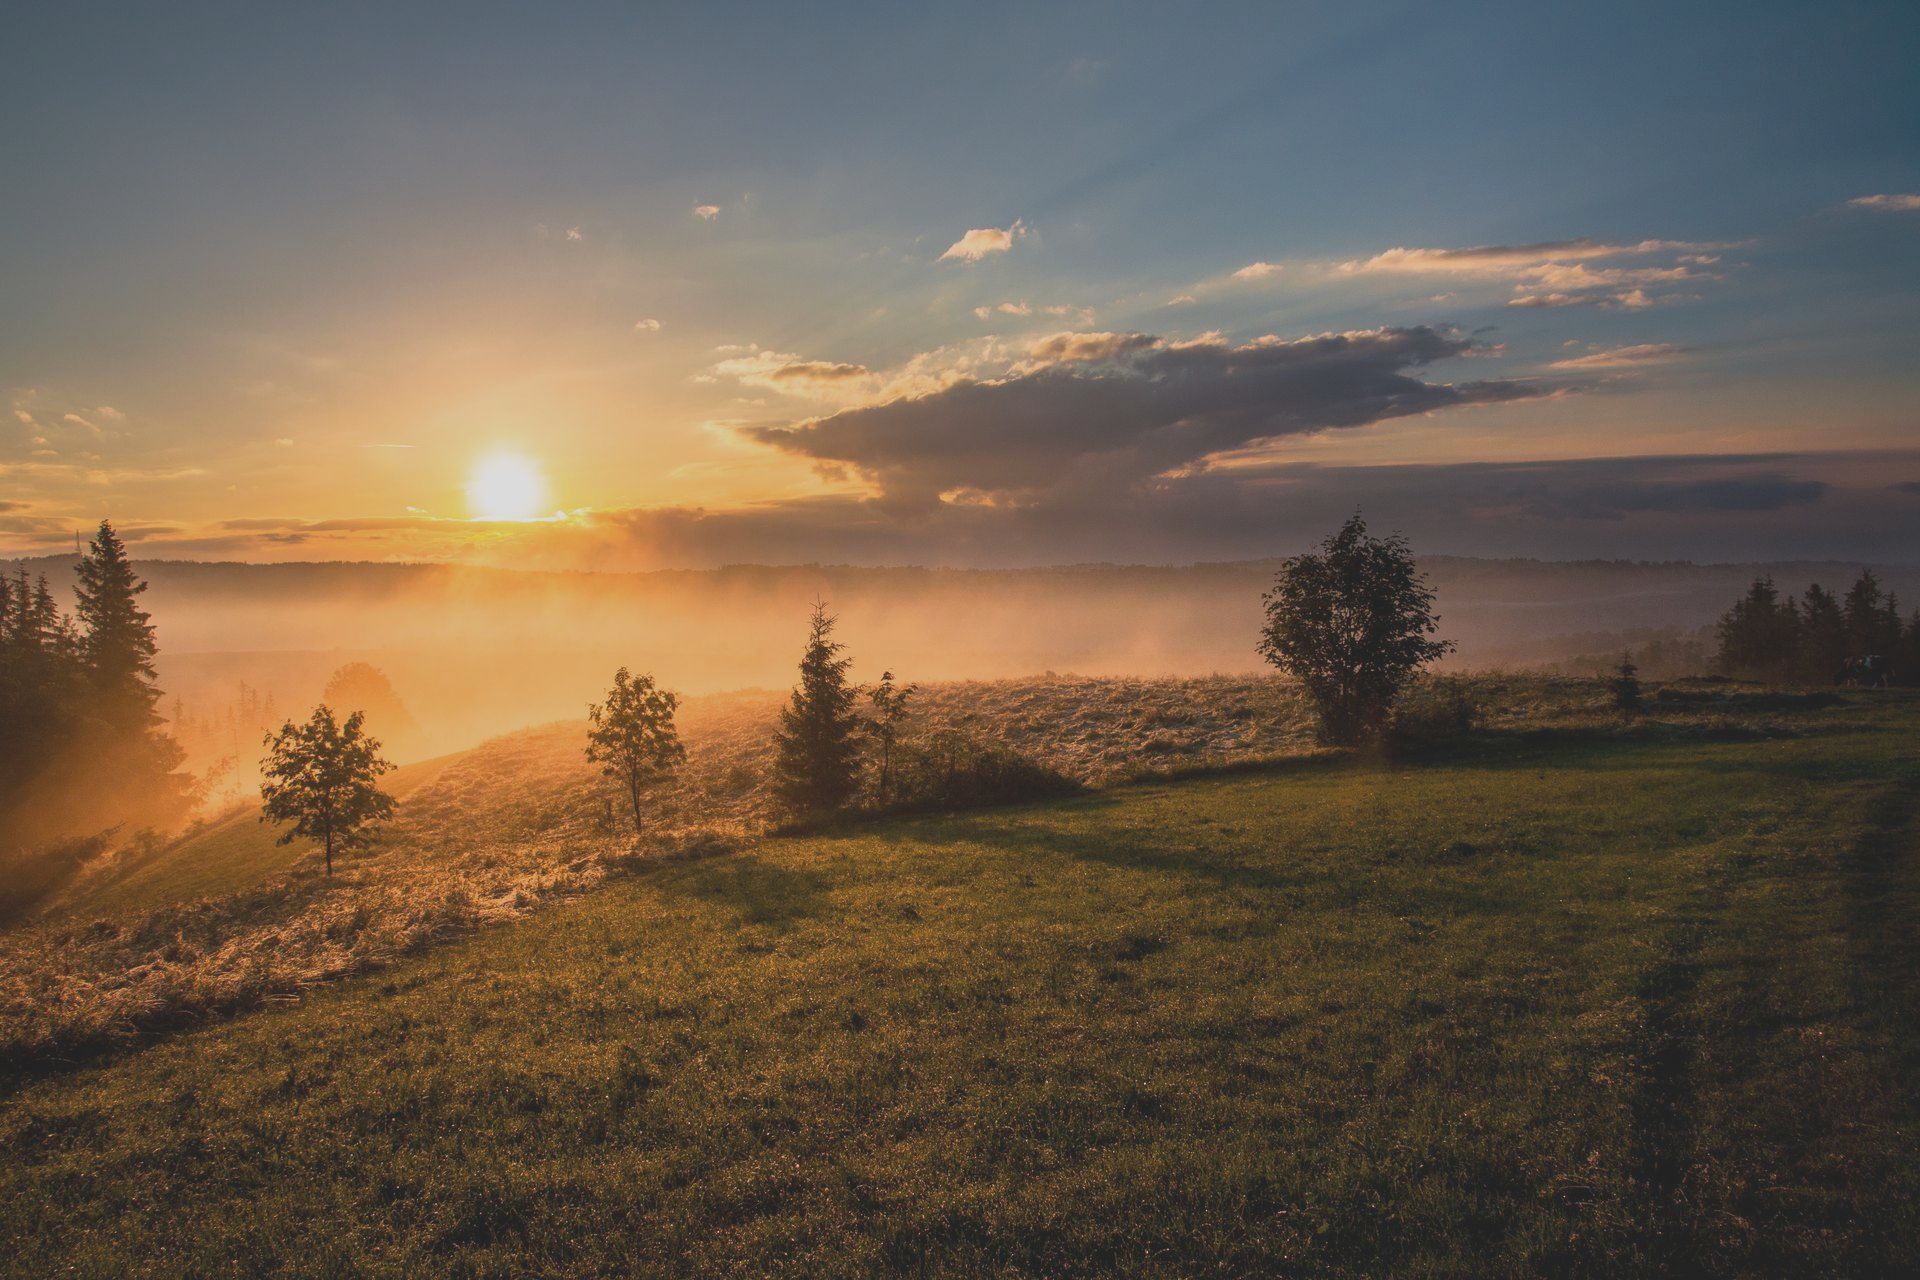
(817, 766)
(1823, 636)
(1760, 635)
(116, 635)
(1873, 620)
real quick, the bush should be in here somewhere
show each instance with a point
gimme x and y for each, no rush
(1433, 712)
(953, 771)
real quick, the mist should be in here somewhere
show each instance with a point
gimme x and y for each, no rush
(474, 652)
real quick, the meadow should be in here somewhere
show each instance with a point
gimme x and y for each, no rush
(1572, 993)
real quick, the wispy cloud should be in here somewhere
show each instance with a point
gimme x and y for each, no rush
(1645, 353)
(1061, 310)
(1900, 202)
(1497, 258)
(706, 212)
(981, 241)
(1257, 271)
(1561, 273)
(649, 325)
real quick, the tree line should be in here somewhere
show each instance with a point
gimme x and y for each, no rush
(79, 733)
(1821, 638)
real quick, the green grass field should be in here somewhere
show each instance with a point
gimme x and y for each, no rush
(1554, 1004)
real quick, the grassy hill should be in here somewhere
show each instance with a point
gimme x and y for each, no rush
(1558, 1001)
(232, 853)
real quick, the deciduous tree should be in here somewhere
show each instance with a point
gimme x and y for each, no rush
(322, 776)
(888, 709)
(632, 736)
(1352, 622)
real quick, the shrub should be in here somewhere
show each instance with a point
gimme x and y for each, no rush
(1625, 685)
(954, 771)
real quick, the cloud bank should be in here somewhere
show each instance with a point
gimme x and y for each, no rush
(1106, 411)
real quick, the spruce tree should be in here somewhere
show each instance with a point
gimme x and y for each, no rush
(116, 635)
(1760, 635)
(1823, 636)
(817, 767)
(1873, 620)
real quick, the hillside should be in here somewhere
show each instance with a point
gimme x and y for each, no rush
(225, 918)
(1568, 998)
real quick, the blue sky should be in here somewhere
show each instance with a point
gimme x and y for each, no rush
(278, 281)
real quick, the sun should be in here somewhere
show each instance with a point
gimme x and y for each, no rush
(506, 486)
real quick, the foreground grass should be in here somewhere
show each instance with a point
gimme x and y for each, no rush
(1571, 1005)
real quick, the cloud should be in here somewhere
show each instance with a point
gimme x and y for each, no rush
(981, 241)
(573, 233)
(1108, 411)
(1558, 273)
(789, 373)
(1079, 315)
(823, 371)
(1494, 258)
(1627, 299)
(706, 212)
(1075, 347)
(649, 325)
(1907, 486)
(1257, 271)
(1626, 357)
(1902, 202)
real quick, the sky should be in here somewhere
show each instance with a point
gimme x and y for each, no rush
(626, 286)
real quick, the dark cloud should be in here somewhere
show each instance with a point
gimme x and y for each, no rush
(1700, 507)
(1730, 508)
(1105, 412)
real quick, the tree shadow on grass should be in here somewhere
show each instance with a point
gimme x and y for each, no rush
(1130, 849)
(760, 892)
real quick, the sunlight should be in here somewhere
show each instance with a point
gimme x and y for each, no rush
(506, 486)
